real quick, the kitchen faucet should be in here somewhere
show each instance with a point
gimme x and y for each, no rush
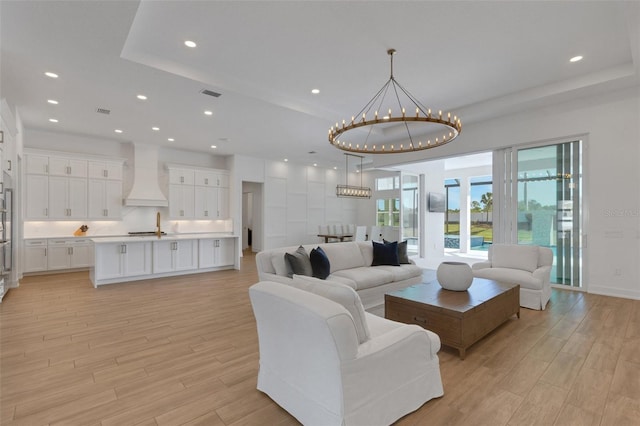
(158, 231)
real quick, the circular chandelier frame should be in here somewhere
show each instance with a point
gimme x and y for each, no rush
(452, 125)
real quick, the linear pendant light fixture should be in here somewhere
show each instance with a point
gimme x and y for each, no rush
(350, 191)
(376, 137)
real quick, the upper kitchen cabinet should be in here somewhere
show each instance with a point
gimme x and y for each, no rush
(181, 176)
(198, 193)
(69, 167)
(61, 186)
(37, 164)
(111, 170)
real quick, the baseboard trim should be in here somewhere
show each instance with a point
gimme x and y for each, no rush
(615, 292)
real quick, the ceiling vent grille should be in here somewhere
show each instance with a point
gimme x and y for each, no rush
(103, 111)
(210, 93)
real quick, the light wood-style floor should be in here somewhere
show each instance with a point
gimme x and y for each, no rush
(184, 351)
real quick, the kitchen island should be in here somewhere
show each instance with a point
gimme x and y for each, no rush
(132, 258)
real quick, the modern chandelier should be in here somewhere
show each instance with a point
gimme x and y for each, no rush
(351, 191)
(386, 134)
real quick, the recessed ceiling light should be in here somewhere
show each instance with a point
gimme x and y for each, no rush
(213, 146)
(208, 112)
(52, 101)
(51, 74)
(155, 128)
(286, 159)
(315, 91)
(190, 43)
(315, 164)
(142, 97)
(335, 168)
(171, 140)
(575, 59)
(53, 120)
(118, 131)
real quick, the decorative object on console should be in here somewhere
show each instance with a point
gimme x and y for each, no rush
(350, 191)
(423, 121)
(456, 276)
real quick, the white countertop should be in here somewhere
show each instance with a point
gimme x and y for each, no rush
(170, 237)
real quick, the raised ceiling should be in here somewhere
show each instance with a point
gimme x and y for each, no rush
(473, 58)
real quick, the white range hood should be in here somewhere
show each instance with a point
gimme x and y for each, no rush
(145, 191)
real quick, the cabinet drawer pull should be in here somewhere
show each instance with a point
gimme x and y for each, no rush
(421, 320)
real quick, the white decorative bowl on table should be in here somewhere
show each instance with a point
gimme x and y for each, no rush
(456, 276)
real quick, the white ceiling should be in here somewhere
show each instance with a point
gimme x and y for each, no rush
(264, 57)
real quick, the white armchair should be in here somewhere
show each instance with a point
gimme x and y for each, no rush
(313, 365)
(528, 266)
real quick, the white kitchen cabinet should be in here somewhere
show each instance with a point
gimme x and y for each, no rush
(181, 201)
(111, 170)
(206, 202)
(179, 176)
(71, 167)
(211, 203)
(215, 252)
(35, 256)
(69, 254)
(37, 197)
(104, 199)
(211, 178)
(121, 260)
(37, 164)
(67, 198)
(175, 255)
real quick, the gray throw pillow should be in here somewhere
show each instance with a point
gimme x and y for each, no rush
(402, 252)
(298, 263)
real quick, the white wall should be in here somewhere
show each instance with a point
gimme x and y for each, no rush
(610, 125)
(297, 198)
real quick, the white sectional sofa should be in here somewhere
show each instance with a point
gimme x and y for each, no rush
(350, 264)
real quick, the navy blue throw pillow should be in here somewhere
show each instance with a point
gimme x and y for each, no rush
(385, 254)
(320, 263)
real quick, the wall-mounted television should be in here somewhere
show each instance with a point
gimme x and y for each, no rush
(437, 202)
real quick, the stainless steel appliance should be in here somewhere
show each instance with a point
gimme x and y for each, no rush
(6, 260)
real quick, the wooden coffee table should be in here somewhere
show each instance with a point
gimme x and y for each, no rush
(460, 318)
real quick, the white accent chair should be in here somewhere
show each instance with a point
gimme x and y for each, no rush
(528, 266)
(324, 370)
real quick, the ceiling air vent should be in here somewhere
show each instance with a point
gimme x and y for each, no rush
(210, 93)
(103, 111)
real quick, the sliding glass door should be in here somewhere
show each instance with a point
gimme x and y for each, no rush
(549, 205)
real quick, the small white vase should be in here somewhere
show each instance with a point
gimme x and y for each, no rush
(456, 276)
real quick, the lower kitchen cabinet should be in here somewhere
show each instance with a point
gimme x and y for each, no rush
(57, 254)
(216, 252)
(35, 256)
(121, 260)
(177, 255)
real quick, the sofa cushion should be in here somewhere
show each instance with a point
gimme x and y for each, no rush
(385, 254)
(366, 249)
(511, 276)
(278, 263)
(339, 293)
(366, 276)
(342, 280)
(514, 256)
(320, 263)
(298, 263)
(343, 256)
(404, 272)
